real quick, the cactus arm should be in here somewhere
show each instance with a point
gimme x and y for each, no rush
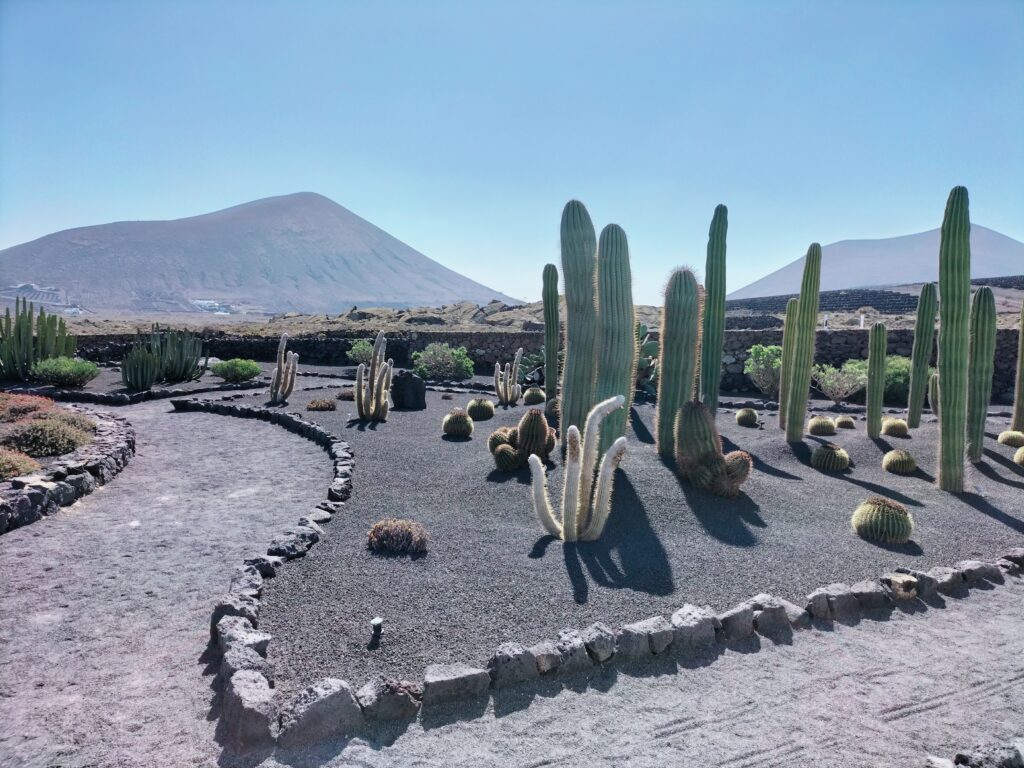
(714, 310)
(497, 383)
(933, 393)
(588, 457)
(375, 360)
(924, 340)
(361, 391)
(678, 354)
(551, 331)
(541, 500)
(876, 378)
(292, 369)
(786, 370)
(803, 346)
(603, 497)
(1017, 425)
(514, 381)
(980, 368)
(571, 487)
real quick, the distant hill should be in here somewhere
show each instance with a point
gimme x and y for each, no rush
(891, 261)
(300, 253)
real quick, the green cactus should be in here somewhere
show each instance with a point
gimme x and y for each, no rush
(480, 409)
(924, 340)
(895, 428)
(533, 396)
(980, 369)
(506, 459)
(899, 462)
(845, 422)
(457, 423)
(802, 356)
(679, 328)
(789, 334)
(506, 385)
(1018, 457)
(140, 368)
(500, 436)
(579, 247)
(1012, 438)
(883, 520)
(646, 360)
(714, 310)
(1018, 390)
(933, 393)
(877, 343)
(180, 352)
(954, 338)
(821, 426)
(829, 457)
(746, 417)
(26, 340)
(699, 453)
(551, 331)
(373, 383)
(532, 436)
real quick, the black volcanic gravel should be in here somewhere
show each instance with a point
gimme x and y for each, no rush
(492, 576)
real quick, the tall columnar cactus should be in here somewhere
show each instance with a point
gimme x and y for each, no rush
(802, 358)
(25, 339)
(579, 246)
(646, 360)
(786, 370)
(1018, 392)
(699, 453)
(954, 338)
(933, 393)
(586, 502)
(282, 378)
(373, 384)
(679, 325)
(877, 343)
(921, 355)
(551, 331)
(980, 369)
(616, 331)
(140, 368)
(714, 310)
(506, 385)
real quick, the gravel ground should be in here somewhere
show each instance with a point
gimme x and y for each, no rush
(491, 575)
(104, 610)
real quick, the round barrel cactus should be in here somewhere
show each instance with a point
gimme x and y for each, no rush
(506, 458)
(895, 428)
(883, 520)
(533, 396)
(845, 422)
(822, 426)
(457, 423)
(480, 409)
(746, 417)
(830, 458)
(1011, 438)
(899, 462)
(1018, 457)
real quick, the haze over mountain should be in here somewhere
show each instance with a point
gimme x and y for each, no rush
(299, 252)
(891, 261)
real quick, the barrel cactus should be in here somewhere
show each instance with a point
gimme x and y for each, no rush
(532, 436)
(1012, 438)
(533, 396)
(883, 520)
(845, 422)
(746, 417)
(1018, 457)
(899, 462)
(699, 453)
(457, 423)
(480, 409)
(829, 457)
(895, 428)
(821, 426)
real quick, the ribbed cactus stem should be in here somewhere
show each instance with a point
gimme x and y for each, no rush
(679, 326)
(933, 393)
(506, 385)
(921, 354)
(571, 488)
(877, 343)
(1017, 425)
(541, 500)
(592, 430)
(603, 496)
(954, 338)
(277, 376)
(786, 370)
(803, 345)
(980, 369)
(551, 331)
(714, 310)
(373, 383)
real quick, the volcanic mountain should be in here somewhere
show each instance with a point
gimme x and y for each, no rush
(300, 252)
(891, 261)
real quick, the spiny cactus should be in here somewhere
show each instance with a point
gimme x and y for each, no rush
(789, 334)
(921, 354)
(457, 423)
(895, 428)
(506, 385)
(821, 426)
(802, 358)
(714, 310)
(679, 328)
(899, 462)
(506, 458)
(954, 338)
(1018, 457)
(699, 453)
(551, 331)
(830, 458)
(883, 520)
(373, 384)
(1012, 438)
(480, 409)
(746, 417)
(1018, 391)
(282, 378)
(531, 436)
(140, 368)
(933, 393)
(980, 368)
(845, 422)
(877, 343)
(586, 502)
(579, 246)
(26, 339)
(646, 360)
(533, 396)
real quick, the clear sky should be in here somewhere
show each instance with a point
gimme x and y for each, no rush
(463, 128)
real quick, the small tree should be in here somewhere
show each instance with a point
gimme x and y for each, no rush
(764, 365)
(839, 384)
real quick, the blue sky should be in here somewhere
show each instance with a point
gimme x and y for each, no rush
(462, 128)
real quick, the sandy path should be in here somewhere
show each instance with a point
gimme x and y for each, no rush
(104, 607)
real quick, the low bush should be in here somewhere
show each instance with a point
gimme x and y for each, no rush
(440, 361)
(65, 371)
(397, 537)
(15, 463)
(320, 405)
(360, 352)
(348, 394)
(17, 407)
(74, 420)
(839, 384)
(236, 370)
(44, 437)
(897, 378)
(763, 366)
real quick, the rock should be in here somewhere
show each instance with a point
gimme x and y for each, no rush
(770, 617)
(318, 516)
(340, 489)
(267, 565)
(976, 571)
(246, 580)
(238, 658)
(326, 710)
(546, 656)
(294, 542)
(1015, 555)
(1008, 566)
(902, 586)
(947, 580)
(248, 710)
(448, 682)
(738, 622)
(642, 639)
(83, 483)
(817, 605)
(235, 630)
(926, 585)
(798, 617)
(842, 604)
(306, 522)
(408, 392)
(871, 596)
(573, 653)
(385, 698)
(694, 627)
(511, 663)
(937, 762)
(334, 507)
(235, 604)
(991, 756)
(599, 641)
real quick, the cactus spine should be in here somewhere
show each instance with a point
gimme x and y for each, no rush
(802, 358)
(282, 379)
(616, 331)
(506, 382)
(1018, 387)
(714, 310)
(373, 385)
(884, 520)
(954, 337)
(579, 245)
(551, 328)
(924, 340)
(980, 369)
(786, 370)
(699, 453)
(877, 343)
(679, 325)
(586, 503)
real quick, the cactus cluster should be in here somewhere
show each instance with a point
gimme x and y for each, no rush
(140, 368)
(899, 462)
(747, 417)
(845, 422)
(699, 455)
(282, 378)
(513, 446)
(1012, 438)
(821, 426)
(980, 368)
(506, 381)
(646, 360)
(533, 396)
(680, 322)
(883, 520)
(877, 344)
(921, 353)
(167, 356)
(457, 423)
(373, 384)
(549, 294)
(480, 409)
(829, 457)
(26, 339)
(713, 332)
(587, 491)
(895, 428)
(800, 359)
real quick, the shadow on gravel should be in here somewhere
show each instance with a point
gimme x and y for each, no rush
(910, 548)
(984, 506)
(991, 474)
(1003, 461)
(643, 434)
(361, 425)
(521, 476)
(882, 490)
(759, 465)
(728, 520)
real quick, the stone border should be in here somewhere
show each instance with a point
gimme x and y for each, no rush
(254, 717)
(123, 398)
(23, 500)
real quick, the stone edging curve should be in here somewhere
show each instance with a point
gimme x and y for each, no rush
(124, 398)
(254, 717)
(24, 500)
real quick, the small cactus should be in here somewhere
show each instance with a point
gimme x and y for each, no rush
(457, 423)
(895, 428)
(830, 458)
(282, 379)
(1011, 438)
(821, 426)
(531, 436)
(506, 385)
(899, 462)
(480, 409)
(845, 422)
(533, 396)
(500, 436)
(373, 384)
(883, 520)
(320, 405)
(506, 459)
(746, 417)
(933, 393)
(1018, 457)
(553, 410)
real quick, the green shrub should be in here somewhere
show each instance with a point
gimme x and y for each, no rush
(44, 437)
(236, 370)
(897, 378)
(763, 365)
(839, 384)
(360, 352)
(440, 361)
(15, 463)
(74, 420)
(65, 371)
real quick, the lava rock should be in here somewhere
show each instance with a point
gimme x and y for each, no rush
(817, 605)
(901, 586)
(871, 596)
(248, 710)
(325, 710)
(738, 622)
(235, 630)
(976, 571)
(842, 603)
(238, 658)
(926, 584)
(573, 652)
(246, 580)
(267, 565)
(694, 627)
(511, 663)
(947, 580)
(599, 641)
(546, 656)
(294, 542)
(770, 616)
(448, 682)
(408, 392)
(235, 604)
(644, 638)
(385, 698)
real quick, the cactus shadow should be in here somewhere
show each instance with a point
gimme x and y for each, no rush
(640, 430)
(882, 490)
(911, 548)
(456, 438)
(986, 507)
(991, 474)
(758, 464)
(361, 425)
(1003, 461)
(521, 476)
(728, 520)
